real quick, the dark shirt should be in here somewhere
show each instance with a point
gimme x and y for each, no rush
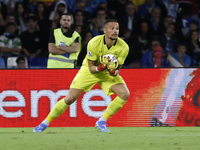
(31, 41)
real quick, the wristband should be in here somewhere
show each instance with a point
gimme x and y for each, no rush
(112, 72)
(97, 69)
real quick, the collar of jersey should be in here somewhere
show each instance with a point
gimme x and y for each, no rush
(105, 41)
(68, 33)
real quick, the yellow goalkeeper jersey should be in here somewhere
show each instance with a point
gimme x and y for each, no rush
(97, 47)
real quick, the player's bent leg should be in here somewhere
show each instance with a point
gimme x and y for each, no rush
(72, 95)
(122, 95)
(121, 90)
(59, 108)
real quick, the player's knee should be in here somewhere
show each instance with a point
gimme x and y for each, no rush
(69, 100)
(125, 95)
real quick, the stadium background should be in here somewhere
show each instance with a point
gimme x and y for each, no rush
(26, 97)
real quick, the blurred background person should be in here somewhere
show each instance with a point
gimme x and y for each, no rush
(10, 44)
(129, 20)
(148, 58)
(88, 36)
(147, 7)
(193, 48)
(181, 56)
(169, 41)
(79, 20)
(20, 17)
(60, 7)
(21, 62)
(31, 39)
(96, 26)
(172, 8)
(155, 21)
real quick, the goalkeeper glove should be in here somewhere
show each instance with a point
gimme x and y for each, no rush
(111, 68)
(103, 64)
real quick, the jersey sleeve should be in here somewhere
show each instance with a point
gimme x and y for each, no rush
(123, 55)
(91, 51)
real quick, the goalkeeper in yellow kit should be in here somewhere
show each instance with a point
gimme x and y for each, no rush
(96, 69)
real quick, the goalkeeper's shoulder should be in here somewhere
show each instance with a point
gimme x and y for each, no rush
(122, 43)
(96, 39)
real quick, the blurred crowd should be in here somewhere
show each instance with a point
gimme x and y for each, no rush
(153, 29)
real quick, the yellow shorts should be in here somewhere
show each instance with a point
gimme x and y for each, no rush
(86, 80)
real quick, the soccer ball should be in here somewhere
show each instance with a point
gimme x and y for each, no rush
(111, 58)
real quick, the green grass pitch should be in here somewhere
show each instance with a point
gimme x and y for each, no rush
(89, 138)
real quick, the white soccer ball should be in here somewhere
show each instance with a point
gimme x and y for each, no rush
(111, 58)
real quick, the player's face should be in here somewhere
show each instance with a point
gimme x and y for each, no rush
(66, 21)
(111, 30)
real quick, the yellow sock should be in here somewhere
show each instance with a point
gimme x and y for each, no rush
(114, 106)
(58, 109)
(106, 115)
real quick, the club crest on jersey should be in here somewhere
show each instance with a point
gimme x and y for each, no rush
(62, 44)
(90, 54)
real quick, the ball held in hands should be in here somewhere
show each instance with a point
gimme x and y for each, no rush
(111, 63)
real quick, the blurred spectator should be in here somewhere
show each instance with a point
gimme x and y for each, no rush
(172, 8)
(169, 41)
(51, 7)
(60, 7)
(181, 56)
(10, 44)
(167, 21)
(135, 51)
(40, 13)
(88, 36)
(143, 36)
(112, 13)
(21, 62)
(148, 57)
(2, 21)
(3, 10)
(193, 48)
(147, 7)
(102, 16)
(187, 31)
(126, 35)
(10, 18)
(128, 20)
(71, 4)
(32, 5)
(118, 6)
(102, 5)
(94, 4)
(185, 6)
(20, 17)
(137, 3)
(183, 17)
(155, 20)
(31, 40)
(78, 29)
(96, 27)
(78, 18)
(2, 25)
(87, 10)
(81, 5)
(55, 23)
(43, 26)
(79, 21)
